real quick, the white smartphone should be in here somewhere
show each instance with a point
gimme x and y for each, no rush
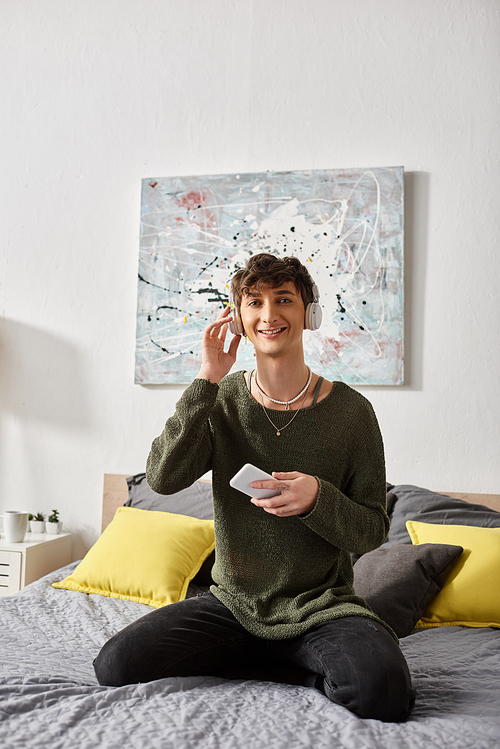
(244, 478)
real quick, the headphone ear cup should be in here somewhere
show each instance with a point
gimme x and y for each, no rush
(235, 326)
(313, 316)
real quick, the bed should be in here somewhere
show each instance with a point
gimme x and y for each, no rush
(49, 636)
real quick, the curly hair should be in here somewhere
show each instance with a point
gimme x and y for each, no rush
(268, 269)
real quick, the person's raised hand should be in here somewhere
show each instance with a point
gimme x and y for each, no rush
(215, 361)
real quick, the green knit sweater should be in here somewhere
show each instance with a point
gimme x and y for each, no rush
(280, 576)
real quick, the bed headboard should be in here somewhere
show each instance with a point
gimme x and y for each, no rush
(116, 494)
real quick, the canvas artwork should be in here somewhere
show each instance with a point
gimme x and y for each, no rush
(345, 225)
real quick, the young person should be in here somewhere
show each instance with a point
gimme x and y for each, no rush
(282, 593)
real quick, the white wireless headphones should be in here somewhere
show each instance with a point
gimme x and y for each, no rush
(235, 326)
(314, 313)
(312, 318)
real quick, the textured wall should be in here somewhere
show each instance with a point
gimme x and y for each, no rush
(96, 95)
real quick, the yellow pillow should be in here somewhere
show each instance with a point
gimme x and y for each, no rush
(471, 593)
(144, 556)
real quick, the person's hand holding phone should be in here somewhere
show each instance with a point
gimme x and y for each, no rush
(298, 494)
(282, 494)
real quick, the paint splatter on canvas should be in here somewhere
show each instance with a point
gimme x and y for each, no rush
(346, 226)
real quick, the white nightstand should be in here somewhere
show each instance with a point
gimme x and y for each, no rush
(39, 554)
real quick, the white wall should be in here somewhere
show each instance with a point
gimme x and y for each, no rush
(97, 95)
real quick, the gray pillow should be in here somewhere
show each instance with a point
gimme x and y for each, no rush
(415, 503)
(195, 501)
(399, 583)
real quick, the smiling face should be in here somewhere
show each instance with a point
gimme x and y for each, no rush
(273, 318)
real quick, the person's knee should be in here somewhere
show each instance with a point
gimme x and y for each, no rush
(112, 665)
(387, 696)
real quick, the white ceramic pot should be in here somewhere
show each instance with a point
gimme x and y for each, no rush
(37, 526)
(53, 527)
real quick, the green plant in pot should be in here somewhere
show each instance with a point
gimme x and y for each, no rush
(53, 524)
(37, 522)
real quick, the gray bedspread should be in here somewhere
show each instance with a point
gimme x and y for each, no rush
(49, 697)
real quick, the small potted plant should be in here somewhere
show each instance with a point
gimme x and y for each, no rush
(37, 522)
(53, 524)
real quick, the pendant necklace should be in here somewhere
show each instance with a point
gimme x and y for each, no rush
(286, 403)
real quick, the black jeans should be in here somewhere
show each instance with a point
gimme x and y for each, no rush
(354, 661)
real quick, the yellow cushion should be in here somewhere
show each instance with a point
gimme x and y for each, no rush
(471, 593)
(144, 556)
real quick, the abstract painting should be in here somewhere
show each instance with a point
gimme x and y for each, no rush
(345, 225)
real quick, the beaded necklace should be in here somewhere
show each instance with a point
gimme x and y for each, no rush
(285, 403)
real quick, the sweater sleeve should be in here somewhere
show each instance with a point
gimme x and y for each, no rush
(352, 516)
(183, 451)
(357, 524)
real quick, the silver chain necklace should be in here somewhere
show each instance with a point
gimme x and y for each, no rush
(280, 429)
(284, 403)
